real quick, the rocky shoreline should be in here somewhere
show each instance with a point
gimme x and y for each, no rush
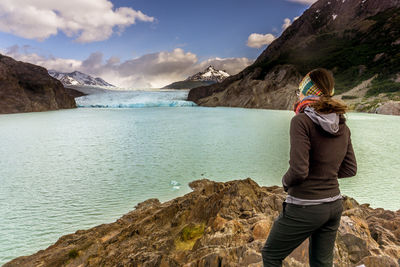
(379, 107)
(218, 224)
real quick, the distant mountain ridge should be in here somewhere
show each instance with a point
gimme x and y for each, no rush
(209, 76)
(78, 78)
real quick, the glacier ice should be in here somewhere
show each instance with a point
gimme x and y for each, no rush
(135, 99)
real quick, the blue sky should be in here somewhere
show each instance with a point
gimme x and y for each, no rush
(156, 34)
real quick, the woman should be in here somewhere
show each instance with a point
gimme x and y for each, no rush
(320, 153)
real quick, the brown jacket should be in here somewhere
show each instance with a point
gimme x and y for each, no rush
(318, 159)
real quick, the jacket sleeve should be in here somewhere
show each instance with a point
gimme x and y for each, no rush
(299, 153)
(348, 167)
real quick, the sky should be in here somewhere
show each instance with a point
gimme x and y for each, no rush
(143, 43)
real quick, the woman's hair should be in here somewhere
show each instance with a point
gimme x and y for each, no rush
(323, 78)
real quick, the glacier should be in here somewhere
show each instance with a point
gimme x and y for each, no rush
(135, 99)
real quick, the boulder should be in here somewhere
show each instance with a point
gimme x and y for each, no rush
(389, 108)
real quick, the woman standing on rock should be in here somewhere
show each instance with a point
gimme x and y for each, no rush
(320, 153)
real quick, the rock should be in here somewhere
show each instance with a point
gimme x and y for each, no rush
(378, 261)
(148, 203)
(217, 224)
(378, 56)
(251, 256)
(74, 93)
(397, 42)
(261, 229)
(389, 108)
(299, 256)
(26, 87)
(356, 247)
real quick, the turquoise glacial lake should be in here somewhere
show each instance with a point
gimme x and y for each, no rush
(66, 170)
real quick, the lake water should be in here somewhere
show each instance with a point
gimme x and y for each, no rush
(66, 170)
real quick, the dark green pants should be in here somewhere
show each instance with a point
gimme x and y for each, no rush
(295, 224)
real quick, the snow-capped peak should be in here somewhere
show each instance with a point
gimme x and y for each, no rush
(209, 74)
(78, 78)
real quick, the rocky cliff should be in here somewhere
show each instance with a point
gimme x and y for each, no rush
(218, 224)
(356, 39)
(26, 87)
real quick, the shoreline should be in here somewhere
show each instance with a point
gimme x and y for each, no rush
(217, 222)
(389, 107)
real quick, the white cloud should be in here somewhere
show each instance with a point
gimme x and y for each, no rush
(306, 2)
(286, 23)
(24, 54)
(87, 21)
(150, 70)
(154, 70)
(257, 40)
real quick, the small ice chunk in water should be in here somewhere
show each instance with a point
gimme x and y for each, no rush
(173, 182)
(175, 185)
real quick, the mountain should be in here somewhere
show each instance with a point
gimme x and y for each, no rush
(209, 76)
(358, 40)
(217, 224)
(26, 87)
(78, 78)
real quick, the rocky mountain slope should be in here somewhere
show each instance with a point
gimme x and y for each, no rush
(26, 87)
(209, 76)
(78, 78)
(356, 39)
(187, 84)
(218, 224)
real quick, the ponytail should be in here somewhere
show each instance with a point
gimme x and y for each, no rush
(324, 80)
(326, 104)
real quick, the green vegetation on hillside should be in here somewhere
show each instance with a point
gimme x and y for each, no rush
(383, 86)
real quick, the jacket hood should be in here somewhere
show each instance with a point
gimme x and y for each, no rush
(328, 122)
